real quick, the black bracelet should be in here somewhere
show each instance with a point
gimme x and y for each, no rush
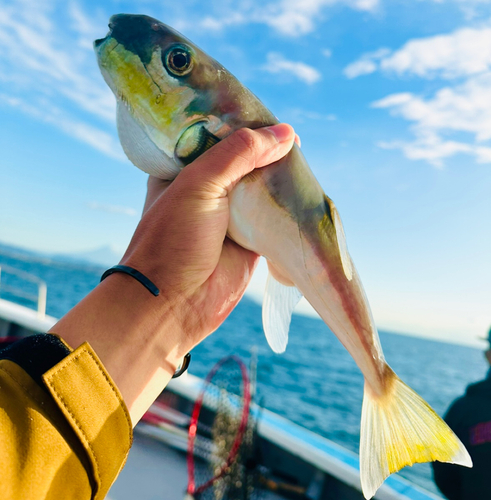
(135, 274)
(153, 290)
(185, 363)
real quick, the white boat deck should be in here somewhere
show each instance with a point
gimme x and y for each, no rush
(154, 471)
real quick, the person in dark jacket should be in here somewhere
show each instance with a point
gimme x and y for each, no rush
(470, 418)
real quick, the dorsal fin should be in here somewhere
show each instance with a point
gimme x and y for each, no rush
(341, 239)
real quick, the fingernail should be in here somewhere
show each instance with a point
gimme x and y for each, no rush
(282, 131)
(298, 141)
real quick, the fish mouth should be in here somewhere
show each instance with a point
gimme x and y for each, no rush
(103, 47)
(138, 34)
(100, 41)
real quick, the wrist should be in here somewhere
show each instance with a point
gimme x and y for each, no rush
(134, 333)
(181, 302)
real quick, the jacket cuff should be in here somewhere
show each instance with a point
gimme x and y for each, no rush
(94, 407)
(36, 354)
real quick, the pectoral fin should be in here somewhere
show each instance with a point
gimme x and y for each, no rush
(341, 238)
(278, 305)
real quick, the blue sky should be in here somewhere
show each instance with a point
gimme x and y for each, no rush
(391, 98)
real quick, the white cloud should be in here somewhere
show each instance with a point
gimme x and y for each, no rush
(303, 115)
(216, 24)
(368, 63)
(462, 109)
(457, 117)
(45, 67)
(293, 17)
(45, 111)
(288, 17)
(113, 209)
(429, 147)
(98, 139)
(465, 108)
(278, 64)
(470, 8)
(87, 27)
(361, 67)
(464, 52)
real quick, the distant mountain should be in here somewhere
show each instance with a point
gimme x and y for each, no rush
(23, 253)
(106, 256)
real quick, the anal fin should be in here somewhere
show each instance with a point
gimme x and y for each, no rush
(278, 305)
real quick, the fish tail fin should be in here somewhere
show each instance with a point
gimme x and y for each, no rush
(399, 428)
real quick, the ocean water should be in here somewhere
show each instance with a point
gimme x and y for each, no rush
(315, 383)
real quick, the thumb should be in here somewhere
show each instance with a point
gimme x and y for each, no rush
(218, 170)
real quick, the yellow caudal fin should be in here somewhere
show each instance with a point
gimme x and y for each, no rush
(400, 429)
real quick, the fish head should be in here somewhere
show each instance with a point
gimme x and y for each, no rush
(174, 101)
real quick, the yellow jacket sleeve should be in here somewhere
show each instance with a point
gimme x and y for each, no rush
(67, 438)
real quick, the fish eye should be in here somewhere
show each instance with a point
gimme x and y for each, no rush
(178, 61)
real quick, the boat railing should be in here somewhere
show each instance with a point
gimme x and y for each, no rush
(39, 299)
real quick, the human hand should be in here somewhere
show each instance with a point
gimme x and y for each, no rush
(156, 187)
(181, 242)
(181, 245)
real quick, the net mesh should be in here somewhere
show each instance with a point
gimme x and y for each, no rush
(225, 438)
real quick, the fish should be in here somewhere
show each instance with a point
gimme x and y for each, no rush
(174, 102)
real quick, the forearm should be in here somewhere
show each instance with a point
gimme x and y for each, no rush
(135, 335)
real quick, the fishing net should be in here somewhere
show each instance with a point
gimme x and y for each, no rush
(221, 445)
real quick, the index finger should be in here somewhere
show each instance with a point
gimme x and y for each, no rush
(218, 170)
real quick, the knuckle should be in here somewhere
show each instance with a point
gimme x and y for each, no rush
(245, 142)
